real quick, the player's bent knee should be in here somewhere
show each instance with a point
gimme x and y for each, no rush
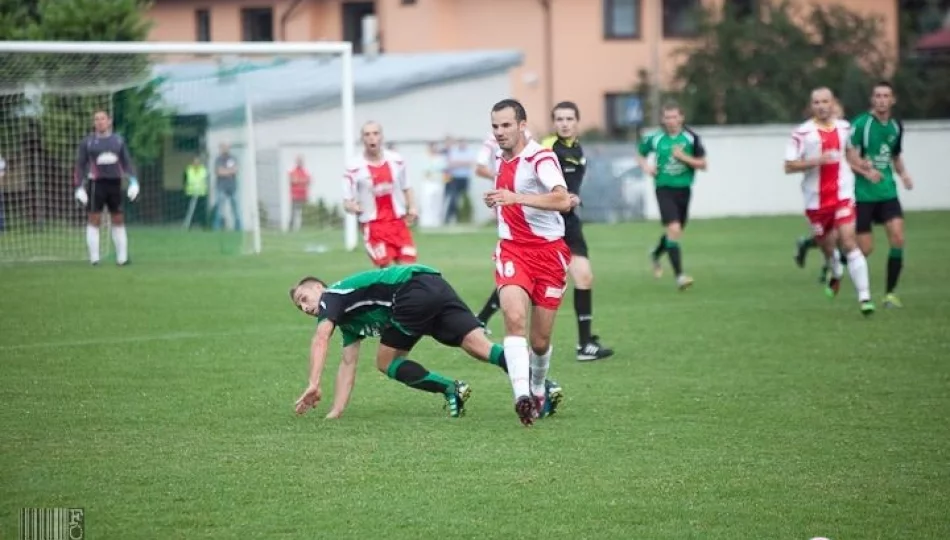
(673, 230)
(118, 219)
(477, 345)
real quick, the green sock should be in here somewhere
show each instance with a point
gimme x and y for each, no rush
(497, 357)
(414, 375)
(675, 255)
(896, 253)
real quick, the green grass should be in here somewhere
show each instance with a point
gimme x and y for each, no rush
(159, 398)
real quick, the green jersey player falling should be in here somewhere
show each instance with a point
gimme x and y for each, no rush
(878, 136)
(399, 305)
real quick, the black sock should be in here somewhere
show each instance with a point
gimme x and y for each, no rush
(660, 247)
(583, 307)
(491, 307)
(843, 258)
(809, 242)
(676, 256)
(415, 376)
(895, 263)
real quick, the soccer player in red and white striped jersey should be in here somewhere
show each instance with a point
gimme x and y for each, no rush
(820, 149)
(531, 259)
(377, 190)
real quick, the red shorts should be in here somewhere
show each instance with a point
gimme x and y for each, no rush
(541, 270)
(388, 242)
(825, 220)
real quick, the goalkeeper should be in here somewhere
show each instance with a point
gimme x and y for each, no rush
(400, 305)
(104, 157)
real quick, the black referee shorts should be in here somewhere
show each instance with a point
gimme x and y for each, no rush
(428, 306)
(105, 193)
(877, 213)
(574, 234)
(673, 204)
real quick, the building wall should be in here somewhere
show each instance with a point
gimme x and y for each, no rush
(587, 66)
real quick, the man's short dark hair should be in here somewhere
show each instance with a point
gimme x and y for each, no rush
(672, 106)
(569, 105)
(883, 84)
(520, 114)
(304, 281)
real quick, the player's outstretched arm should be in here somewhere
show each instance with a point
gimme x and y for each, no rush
(345, 379)
(318, 360)
(557, 200)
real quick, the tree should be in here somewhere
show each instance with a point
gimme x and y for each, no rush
(49, 99)
(759, 70)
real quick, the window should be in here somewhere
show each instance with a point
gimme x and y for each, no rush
(680, 18)
(353, 13)
(621, 19)
(202, 25)
(257, 24)
(624, 111)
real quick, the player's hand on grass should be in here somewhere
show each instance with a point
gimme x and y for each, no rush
(308, 399)
(81, 196)
(907, 181)
(500, 197)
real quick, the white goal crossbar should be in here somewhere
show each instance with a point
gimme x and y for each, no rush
(347, 93)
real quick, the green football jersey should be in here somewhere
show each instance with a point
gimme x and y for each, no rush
(361, 305)
(671, 172)
(879, 143)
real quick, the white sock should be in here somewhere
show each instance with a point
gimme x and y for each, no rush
(539, 370)
(837, 269)
(519, 367)
(858, 268)
(121, 242)
(92, 242)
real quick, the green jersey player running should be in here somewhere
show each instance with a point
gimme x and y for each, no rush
(679, 154)
(879, 137)
(398, 304)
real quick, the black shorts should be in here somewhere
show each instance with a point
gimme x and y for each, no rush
(428, 306)
(673, 204)
(878, 212)
(574, 234)
(105, 193)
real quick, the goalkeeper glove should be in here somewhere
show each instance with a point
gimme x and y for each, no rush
(81, 196)
(133, 188)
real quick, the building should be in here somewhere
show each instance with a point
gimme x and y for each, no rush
(599, 45)
(290, 107)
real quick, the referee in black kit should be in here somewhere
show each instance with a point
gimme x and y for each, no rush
(570, 154)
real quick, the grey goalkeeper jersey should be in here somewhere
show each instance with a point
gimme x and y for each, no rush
(103, 157)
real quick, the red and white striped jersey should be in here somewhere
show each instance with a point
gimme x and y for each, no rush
(823, 187)
(378, 189)
(535, 171)
(486, 154)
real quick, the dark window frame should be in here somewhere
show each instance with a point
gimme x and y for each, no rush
(203, 25)
(670, 19)
(608, 30)
(249, 26)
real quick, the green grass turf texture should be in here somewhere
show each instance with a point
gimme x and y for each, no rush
(158, 397)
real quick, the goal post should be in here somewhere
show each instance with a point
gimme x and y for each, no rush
(173, 103)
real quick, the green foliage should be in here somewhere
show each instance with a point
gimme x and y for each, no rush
(747, 70)
(321, 216)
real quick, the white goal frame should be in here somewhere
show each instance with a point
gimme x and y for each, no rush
(347, 93)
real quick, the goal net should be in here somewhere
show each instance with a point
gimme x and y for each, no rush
(237, 148)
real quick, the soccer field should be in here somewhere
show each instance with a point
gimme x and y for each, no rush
(159, 398)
